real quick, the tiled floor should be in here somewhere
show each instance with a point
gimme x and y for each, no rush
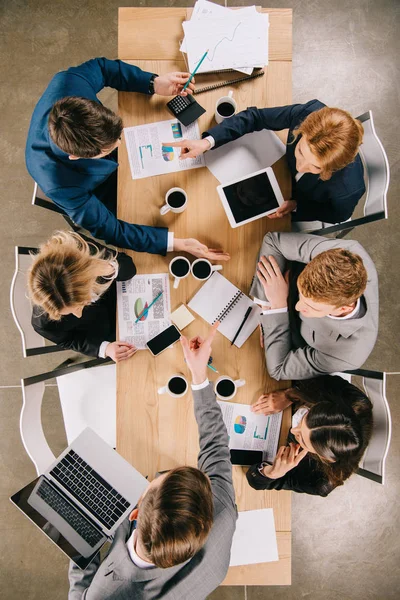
(345, 547)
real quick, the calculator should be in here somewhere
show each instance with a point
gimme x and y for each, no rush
(185, 109)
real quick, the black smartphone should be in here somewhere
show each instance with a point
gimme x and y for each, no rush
(163, 340)
(246, 458)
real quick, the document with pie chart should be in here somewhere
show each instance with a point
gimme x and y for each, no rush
(248, 431)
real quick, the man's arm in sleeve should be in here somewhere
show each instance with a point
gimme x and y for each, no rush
(284, 362)
(79, 581)
(257, 119)
(102, 72)
(90, 213)
(214, 455)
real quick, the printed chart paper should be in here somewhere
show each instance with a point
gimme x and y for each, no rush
(149, 152)
(133, 296)
(249, 431)
(254, 540)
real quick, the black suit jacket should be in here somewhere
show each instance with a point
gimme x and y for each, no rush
(331, 201)
(97, 323)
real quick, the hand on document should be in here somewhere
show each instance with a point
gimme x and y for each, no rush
(199, 250)
(197, 352)
(120, 351)
(172, 84)
(191, 148)
(285, 208)
(271, 403)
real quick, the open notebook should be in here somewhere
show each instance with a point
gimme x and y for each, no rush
(220, 300)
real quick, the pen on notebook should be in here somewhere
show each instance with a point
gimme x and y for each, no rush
(146, 310)
(195, 70)
(246, 316)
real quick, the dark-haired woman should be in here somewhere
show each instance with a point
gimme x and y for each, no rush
(331, 428)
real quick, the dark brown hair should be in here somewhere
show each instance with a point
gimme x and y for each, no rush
(340, 420)
(82, 127)
(333, 137)
(336, 277)
(176, 516)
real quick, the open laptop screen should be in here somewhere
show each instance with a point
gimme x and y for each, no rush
(20, 499)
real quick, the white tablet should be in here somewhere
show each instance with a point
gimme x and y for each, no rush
(252, 197)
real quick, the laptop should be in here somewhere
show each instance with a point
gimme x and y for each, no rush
(83, 497)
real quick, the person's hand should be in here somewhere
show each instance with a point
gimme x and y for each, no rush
(271, 403)
(197, 352)
(199, 250)
(261, 335)
(275, 285)
(172, 84)
(120, 350)
(285, 208)
(287, 458)
(191, 148)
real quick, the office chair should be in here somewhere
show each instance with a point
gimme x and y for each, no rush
(372, 465)
(377, 172)
(39, 198)
(87, 393)
(21, 308)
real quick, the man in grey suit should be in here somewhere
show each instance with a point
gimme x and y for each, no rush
(176, 543)
(337, 302)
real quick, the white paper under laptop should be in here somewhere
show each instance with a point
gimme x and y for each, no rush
(83, 497)
(219, 300)
(254, 540)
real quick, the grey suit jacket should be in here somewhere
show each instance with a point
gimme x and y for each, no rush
(330, 344)
(117, 577)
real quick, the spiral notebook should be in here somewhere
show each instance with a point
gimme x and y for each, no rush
(219, 300)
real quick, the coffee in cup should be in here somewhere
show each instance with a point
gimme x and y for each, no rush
(179, 267)
(175, 201)
(202, 269)
(225, 107)
(177, 386)
(226, 387)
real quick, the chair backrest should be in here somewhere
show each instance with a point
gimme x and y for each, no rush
(377, 168)
(372, 464)
(31, 429)
(39, 198)
(32, 343)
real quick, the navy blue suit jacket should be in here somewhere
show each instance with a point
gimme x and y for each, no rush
(71, 184)
(330, 201)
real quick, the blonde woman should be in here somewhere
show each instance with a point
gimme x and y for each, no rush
(321, 153)
(72, 286)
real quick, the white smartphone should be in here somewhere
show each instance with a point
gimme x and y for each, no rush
(163, 340)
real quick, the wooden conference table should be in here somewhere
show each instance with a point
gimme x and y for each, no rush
(159, 432)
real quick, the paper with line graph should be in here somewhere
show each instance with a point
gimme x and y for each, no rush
(133, 297)
(232, 41)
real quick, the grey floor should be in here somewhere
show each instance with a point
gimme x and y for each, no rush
(345, 547)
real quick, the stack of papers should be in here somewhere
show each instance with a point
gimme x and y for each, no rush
(235, 39)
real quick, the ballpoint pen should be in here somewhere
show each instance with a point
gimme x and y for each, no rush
(195, 70)
(146, 310)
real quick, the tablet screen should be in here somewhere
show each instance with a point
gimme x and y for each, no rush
(250, 197)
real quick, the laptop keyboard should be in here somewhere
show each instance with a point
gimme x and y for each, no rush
(86, 485)
(72, 516)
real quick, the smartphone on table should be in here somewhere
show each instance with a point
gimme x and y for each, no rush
(246, 458)
(163, 340)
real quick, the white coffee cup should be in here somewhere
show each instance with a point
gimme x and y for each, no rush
(212, 268)
(171, 388)
(168, 206)
(234, 384)
(175, 274)
(219, 117)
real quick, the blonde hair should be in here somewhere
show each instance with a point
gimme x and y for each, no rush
(68, 271)
(337, 277)
(333, 137)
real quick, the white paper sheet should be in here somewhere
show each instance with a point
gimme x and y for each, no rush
(132, 297)
(249, 431)
(234, 41)
(149, 153)
(246, 155)
(254, 540)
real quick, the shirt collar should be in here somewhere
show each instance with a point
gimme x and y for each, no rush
(352, 315)
(135, 558)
